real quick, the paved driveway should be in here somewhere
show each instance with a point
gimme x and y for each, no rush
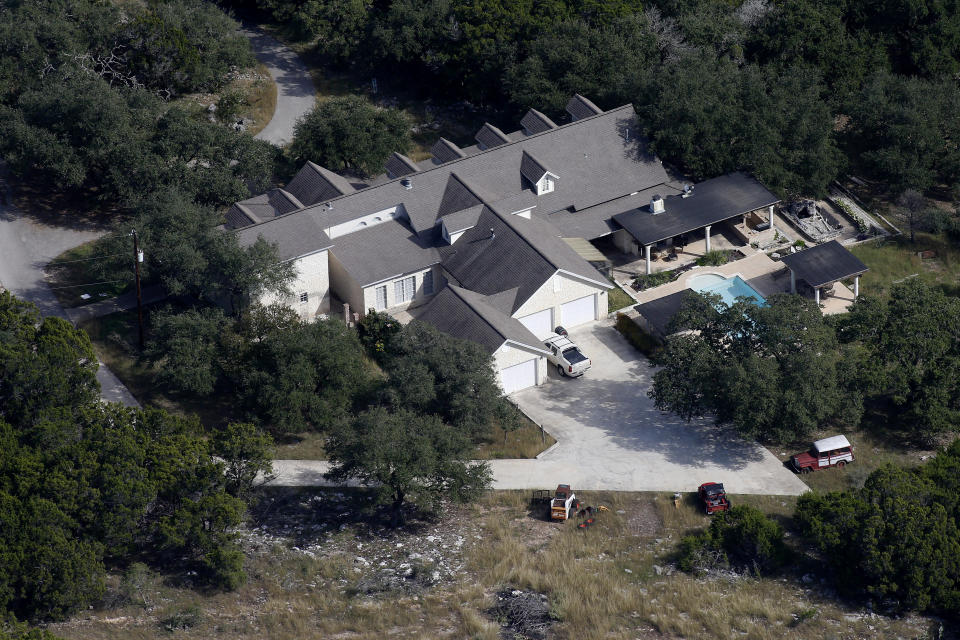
(610, 436)
(296, 94)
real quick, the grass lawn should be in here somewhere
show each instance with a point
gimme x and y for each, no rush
(324, 578)
(618, 299)
(72, 268)
(525, 442)
(896, 259)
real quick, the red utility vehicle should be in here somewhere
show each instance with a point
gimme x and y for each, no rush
(713, 497)
(829, 452)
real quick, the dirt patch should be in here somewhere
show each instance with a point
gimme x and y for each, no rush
(643, 519)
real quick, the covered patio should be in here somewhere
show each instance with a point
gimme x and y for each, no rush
(670, 226)
(819, 270)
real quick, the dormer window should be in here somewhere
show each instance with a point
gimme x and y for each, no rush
(546, 185)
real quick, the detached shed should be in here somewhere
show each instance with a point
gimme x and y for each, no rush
(824, 265)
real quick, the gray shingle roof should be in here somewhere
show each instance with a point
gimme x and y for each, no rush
(457, 196)
(463, 219)
(470, 316)
(535, 122)
(445, 151)
(824, 264)
(314, 184)
(299, 237)
(385, 250)
(509, 252)
(597, 221)
(531, 168)
(265, 206)
(590, 155)
(579, 107)
(713, 201)
(489, 136)
(400, 165)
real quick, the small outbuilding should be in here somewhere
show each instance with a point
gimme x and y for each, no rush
(823, 265)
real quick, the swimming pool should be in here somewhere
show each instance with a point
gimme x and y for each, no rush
(729, 289)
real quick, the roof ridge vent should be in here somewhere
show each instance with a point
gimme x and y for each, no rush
(407, 183)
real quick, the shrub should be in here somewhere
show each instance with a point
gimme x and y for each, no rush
(714, 258)
(646, 281)
(743, 539)
(635, 335)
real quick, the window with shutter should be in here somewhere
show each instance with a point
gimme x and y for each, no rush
(381, 298)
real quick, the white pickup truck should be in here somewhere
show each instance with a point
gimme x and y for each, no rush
(567, 356)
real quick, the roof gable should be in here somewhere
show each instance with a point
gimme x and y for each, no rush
(445, 151)
(531, 168)
(469, 315)
(535, 122)
(489, 136)
(579, 107)
(314, 184)
(400, 165)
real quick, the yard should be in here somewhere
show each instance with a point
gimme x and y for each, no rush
(71, 273)
(319, 568)
(896, 259)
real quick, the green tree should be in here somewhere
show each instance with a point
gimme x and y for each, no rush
(186, 347)
(350, 134)
(45, 363)
(605, 63)
(434, 373)
(773, 372)
(246, 453)
(408, 457)
(304, 377)
(742, 538)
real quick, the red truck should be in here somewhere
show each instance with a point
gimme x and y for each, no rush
(713, 497)
(835, 451)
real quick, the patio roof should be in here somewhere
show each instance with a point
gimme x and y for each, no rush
(824, 264)
(710, 202)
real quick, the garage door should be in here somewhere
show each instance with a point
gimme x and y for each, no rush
(519, 376)
(540, 323)
(577, 312)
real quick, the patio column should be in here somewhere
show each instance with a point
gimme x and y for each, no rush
(816, 295)
(856, 287)
(707, 236)
(771, 216)
(646, 254)
(793, 282)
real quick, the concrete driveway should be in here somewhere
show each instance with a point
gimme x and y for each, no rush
(296, 94)
(610, 436)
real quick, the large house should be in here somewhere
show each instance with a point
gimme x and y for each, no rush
(474, 240)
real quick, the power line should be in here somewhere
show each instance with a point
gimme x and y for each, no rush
(89, 284)
(54, 264)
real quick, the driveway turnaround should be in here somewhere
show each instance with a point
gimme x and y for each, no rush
(611, 437)
(295, 91)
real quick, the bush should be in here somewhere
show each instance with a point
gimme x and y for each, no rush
(743, 539)
(647, 281)
(640, 339)
(714, 258)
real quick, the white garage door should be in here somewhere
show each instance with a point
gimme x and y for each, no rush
(519, 376)
(540, 323)
(578, 311)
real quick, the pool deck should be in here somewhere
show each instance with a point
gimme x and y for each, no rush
(758, 270)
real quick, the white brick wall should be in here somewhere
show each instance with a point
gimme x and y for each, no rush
(370, 293)
(313, 278)
(547, 296)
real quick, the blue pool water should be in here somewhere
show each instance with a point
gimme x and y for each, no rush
(729, 289)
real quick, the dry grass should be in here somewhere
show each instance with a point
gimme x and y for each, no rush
(611, 581)
(261, 95)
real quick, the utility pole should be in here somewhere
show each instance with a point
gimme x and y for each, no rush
(137, 259)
